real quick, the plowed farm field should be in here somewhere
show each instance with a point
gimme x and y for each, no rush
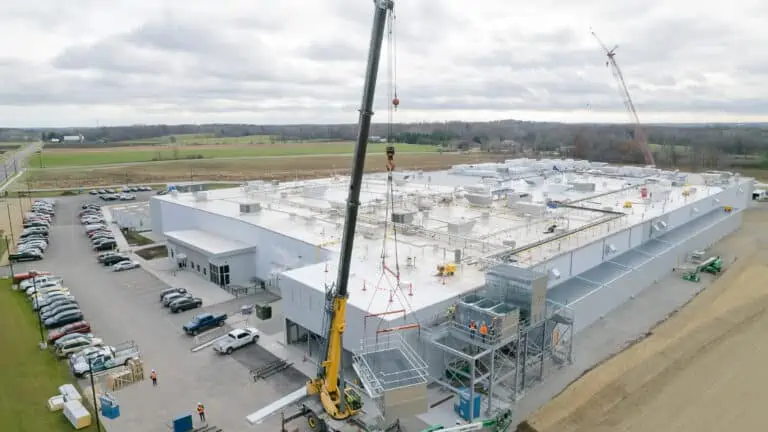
(702, 370)
(281, 168)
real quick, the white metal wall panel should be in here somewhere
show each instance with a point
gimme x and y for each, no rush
(591, 308)
(620, 241)
(156, 216)
(587, 257)
(563, 265)
(302, 305)
(636, 236)
(679, 216)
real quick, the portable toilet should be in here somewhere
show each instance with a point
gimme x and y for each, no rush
(463, 405)
(109, 407)
(183, 423)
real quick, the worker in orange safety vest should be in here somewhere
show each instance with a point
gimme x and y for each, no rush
(201, 411)
(483, 331)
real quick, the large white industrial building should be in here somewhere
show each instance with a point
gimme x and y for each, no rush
(541, 250)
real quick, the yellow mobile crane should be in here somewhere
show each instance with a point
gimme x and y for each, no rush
(339, 402)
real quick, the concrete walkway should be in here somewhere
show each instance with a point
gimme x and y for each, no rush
(165, 270)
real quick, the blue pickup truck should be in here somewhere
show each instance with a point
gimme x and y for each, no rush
(203, 322)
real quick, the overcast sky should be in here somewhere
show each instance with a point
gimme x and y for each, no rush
(88, 62)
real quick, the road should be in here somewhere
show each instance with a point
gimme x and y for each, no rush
(15, 161)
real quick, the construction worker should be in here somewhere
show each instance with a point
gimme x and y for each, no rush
(483, 331)
(472, 329)
(492, 330)
(153, 376)
(201, 411)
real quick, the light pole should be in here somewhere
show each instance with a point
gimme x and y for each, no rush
(43, 344)
(8, 251)
(93, 390)
(8, 210)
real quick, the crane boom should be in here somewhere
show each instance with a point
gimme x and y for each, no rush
(339, 402)
(640, 138)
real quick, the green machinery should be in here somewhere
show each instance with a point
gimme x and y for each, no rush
(712, 265)
(499, 423)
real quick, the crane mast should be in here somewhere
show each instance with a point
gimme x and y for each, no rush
(640, 138)
(339, 402)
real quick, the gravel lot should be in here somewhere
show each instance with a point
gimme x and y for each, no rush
(124, 306)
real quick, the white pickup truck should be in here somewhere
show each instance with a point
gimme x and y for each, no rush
(235, 339)
(112, 357)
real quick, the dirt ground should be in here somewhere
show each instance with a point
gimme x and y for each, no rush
(15, 207)
(704, 369)
(239, 169)
(199, 146)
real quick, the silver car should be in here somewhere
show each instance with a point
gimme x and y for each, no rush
(172, 297)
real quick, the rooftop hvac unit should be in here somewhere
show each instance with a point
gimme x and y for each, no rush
(201, 196)
(175, 193)
(247, 208)
(463, 226)
(610, 249)
(403, 217)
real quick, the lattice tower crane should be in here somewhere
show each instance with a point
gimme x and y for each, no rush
(640, 139)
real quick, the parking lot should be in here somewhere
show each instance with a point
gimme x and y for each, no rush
(124, 306)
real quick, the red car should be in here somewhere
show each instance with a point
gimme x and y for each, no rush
(76, 327)
(18, 277)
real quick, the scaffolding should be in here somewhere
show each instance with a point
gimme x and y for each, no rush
(512, 356)
(387, 362)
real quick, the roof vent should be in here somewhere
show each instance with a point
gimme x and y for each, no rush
(249, 208)
(201, 196)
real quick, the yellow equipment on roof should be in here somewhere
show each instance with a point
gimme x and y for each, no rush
(446, 269)
(627, 204)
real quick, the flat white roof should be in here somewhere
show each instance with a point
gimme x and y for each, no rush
(480, 210)
(208, 243)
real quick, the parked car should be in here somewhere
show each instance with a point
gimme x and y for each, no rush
(108, 245)
(70, 336)
(185, 303)
(167, 291)
(172, 297)
(63, 319)
(203, 322)
(61, 309)
(55, 304)
(23, 256)
(76, 345)
(18, 278)
(235, 339)
(75, 327)
(114, 259)
(125, 265)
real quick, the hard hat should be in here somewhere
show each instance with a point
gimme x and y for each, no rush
(153, 370)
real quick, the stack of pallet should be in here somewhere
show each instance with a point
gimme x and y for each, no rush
(133, 373)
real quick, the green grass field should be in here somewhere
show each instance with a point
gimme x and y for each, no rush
(29, 376)
(76, 157)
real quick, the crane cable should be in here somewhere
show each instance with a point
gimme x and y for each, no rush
(391, 72)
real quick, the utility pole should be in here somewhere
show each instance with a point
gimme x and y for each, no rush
(93, 391)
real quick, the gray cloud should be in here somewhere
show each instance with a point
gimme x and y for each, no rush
(273, 58)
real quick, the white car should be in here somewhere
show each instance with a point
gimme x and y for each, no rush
(236, 339)
(125, 265)
(29, 283)
(43, 287)
(75, 345)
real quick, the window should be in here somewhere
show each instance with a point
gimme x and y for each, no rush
(205, 270)
(171, 253)
(198, 268)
